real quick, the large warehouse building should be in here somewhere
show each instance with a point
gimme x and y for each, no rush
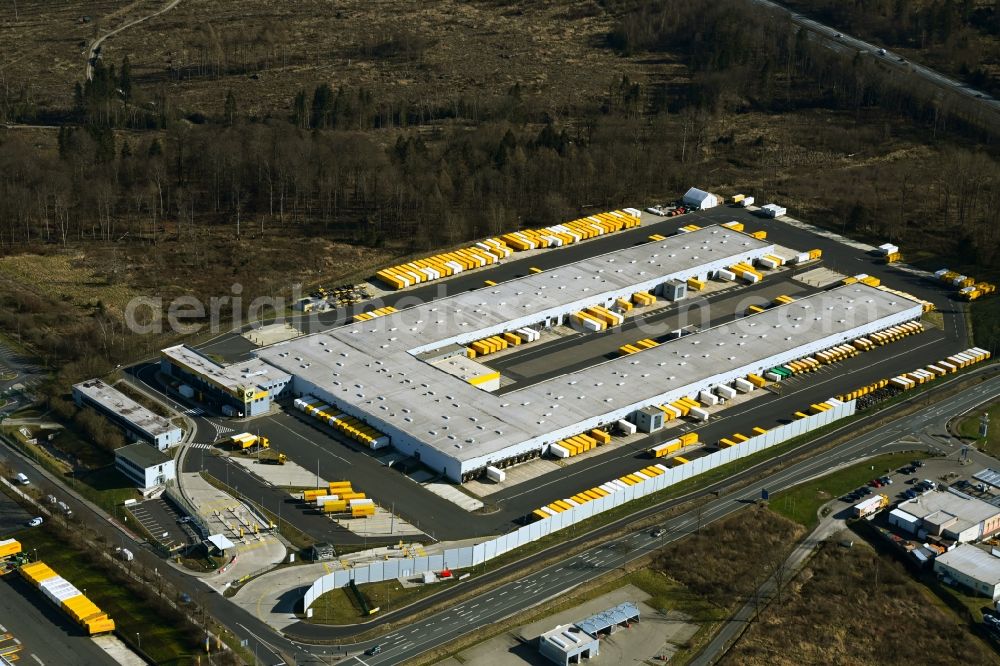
(380, 371)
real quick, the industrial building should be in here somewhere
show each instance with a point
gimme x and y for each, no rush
(571, 644)
(240, 389)
(381, 373)
(138, 422)
(145, 466)
(973, 568)
(950, 514)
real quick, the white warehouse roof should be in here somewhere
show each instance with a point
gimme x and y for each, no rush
(119, 404)
(943, 507)
(369, 369)
(973, 562)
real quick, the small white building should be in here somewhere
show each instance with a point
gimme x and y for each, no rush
(144, 465)
(572, 644)
(567, 645)
(904, 521)
(972, 567)
(700, 199)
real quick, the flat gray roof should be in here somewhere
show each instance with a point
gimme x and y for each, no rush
(371, 368)
(143, 455)
(966, 509)
(128, 409)
(236, 378)
(973, 562)
(604, 620)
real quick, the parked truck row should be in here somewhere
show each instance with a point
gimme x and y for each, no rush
(597, 492)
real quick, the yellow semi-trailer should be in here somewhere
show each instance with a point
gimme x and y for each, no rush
(689, 438)
(601, 436)
(661, 450)
(9, 548)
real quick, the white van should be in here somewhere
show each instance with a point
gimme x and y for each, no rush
(22, 479)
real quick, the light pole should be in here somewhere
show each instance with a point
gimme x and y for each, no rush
(138, 638)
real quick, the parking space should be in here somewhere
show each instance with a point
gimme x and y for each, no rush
(924, 476)
(163, 521)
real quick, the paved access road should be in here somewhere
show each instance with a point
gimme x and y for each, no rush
(272, 648)
(309, 445)
(836, 255)
(846, 43)
(559, 579)
(336, 458)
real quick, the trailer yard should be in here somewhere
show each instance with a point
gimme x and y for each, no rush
(335, 425)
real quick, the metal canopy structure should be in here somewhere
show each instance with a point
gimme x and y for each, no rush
(605, 621)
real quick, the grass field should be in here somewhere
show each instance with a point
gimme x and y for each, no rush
(853, 606)
(803, 501)
(969, 427)
(341, 607)
(161, 640)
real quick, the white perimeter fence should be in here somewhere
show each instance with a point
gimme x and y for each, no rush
(461, 558)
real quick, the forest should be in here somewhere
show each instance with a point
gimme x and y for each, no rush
(135, 177)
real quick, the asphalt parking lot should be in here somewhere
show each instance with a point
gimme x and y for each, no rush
(312, 447)
(159, 518)
(925, 476)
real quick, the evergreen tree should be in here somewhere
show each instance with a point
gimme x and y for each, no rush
(322, 106)
(230, 110)
(79, 102)
(125, 80)
(300, 117)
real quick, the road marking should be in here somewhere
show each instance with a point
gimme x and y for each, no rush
(35, 657)
(306, 439)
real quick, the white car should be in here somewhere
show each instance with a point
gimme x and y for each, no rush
(35, 522)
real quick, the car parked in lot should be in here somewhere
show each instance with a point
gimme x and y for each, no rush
(917, 463)
(886, 481)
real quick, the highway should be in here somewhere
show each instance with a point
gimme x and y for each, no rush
(561, 578)
(311, 446)
(273, 648)
(847, 43)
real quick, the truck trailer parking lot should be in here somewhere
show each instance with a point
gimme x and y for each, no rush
(315, 445)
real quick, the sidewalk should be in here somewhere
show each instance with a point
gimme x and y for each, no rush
(274, 596)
